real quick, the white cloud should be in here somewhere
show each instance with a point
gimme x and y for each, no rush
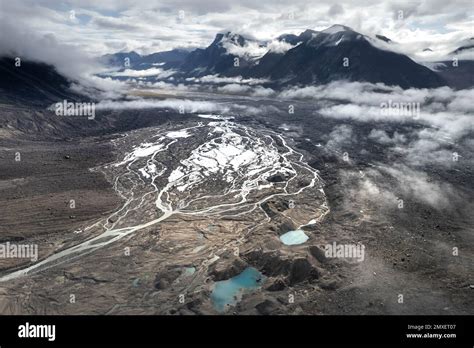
(386, 185)
(216, 79)
(233, 88)
(276, 46)
(251, 50)
(419, 186)
(159, 73)
(382, 137)
(189, 106)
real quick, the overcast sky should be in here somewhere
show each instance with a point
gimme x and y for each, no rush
(148, 26)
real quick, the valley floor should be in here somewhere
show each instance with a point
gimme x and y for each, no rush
(147, 212)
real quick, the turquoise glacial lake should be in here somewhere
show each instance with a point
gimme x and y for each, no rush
(294, 237)
(228, 292)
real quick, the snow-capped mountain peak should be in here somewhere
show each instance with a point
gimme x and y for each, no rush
(237, 45)
(336, 28)
(234, 38)
(333, 36)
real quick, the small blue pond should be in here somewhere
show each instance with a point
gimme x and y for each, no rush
(229, 292)
(294, 237)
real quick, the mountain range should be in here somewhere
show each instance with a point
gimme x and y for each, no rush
(166, 59)
(339, 53)
(310, 58)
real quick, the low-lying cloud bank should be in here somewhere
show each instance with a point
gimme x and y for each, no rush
(70, 61)
(405, 153)
(158, 72)
(217, 79)
(435, 132)
(179, 105)
(398, 186)
(184, 106)
(450, 113)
